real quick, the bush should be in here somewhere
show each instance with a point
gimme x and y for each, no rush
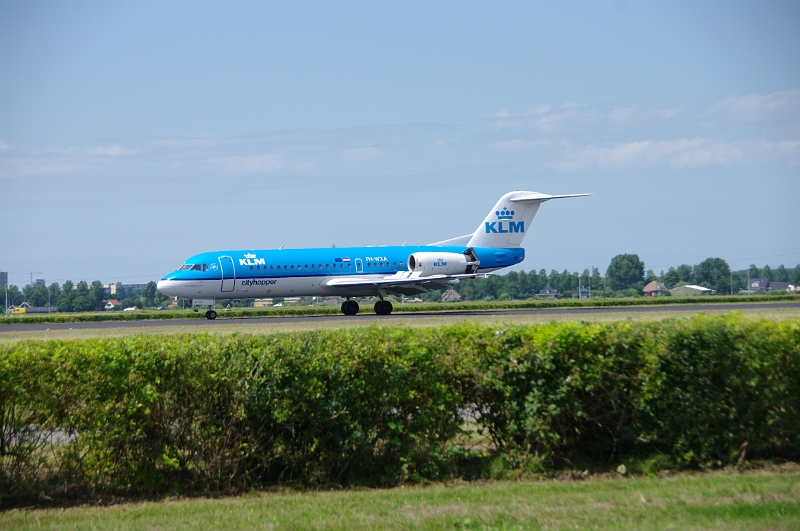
(381, 406)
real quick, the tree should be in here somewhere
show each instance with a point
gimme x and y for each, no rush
(65, 299)
(753, 271)
(96, 294)
(713, 273)
(671, 278)
(685, 273)
(796, 275)
(781, 274)
(766, 272)
(625, 271)
(38, 296)
(14, 296)
(55, 293)
(149, 294)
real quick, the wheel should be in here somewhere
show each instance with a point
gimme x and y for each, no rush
(350, 308)
(211, 315)
(344, 311)
(383, 307)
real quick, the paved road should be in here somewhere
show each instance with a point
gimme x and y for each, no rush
(369, 317)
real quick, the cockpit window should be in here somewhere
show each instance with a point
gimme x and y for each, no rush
(194, 267)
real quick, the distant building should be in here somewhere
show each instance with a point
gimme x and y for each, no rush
(654, 289)
(111, 304)
(762, 284)
(262, 303)
(690, 290)
(112, 289)
(778, 286)
(582, 293)
(451, 295)
(548, 293)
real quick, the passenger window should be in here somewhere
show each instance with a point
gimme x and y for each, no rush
(401, 264)
(292, 267)
(251, 268)
(312, 266)
(271, 267)
(306, 266)
(349, 266)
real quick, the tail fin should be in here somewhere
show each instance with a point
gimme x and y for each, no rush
(506, 224)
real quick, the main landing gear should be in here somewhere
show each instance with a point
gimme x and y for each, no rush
(211, 315)
(349, 307)
(383, 307)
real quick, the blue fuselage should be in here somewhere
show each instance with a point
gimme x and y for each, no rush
(304, 272)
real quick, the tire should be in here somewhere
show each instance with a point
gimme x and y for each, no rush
(383, 308)
(350, 308)
(344, 310)
(211, 315)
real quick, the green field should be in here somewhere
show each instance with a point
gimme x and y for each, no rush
(287, 324)
(767, 499)
(462, 306)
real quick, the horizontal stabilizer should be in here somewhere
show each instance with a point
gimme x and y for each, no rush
(536, 196)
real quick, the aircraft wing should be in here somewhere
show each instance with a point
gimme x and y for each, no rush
(401, 279)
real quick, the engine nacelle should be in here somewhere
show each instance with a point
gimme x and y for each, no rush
(431, 263)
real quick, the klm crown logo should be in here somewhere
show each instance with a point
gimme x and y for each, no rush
(249, 255)
(504, 213)
(504, 225)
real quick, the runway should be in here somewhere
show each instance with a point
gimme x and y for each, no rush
(370, 318)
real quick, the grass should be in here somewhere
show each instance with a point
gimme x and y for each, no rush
(242, 326)
(766, 499)
(461, 306)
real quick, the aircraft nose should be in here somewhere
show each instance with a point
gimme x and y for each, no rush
(163, 286)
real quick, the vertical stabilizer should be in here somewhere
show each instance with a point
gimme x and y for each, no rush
(510, 219)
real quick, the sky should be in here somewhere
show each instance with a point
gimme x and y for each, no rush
(136, 134)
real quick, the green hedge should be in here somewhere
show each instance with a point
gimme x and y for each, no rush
(398, 308)
(380, 406)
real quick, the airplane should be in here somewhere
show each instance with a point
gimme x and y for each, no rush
(360, 271)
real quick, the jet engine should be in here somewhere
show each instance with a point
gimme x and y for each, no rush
(432, 263)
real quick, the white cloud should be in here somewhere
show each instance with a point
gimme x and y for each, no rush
(304, 167)
(359, 154)
(110, 151)
(244, 165)
(621, 114)
(519, 144)
(682, 153)
(754, 106)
